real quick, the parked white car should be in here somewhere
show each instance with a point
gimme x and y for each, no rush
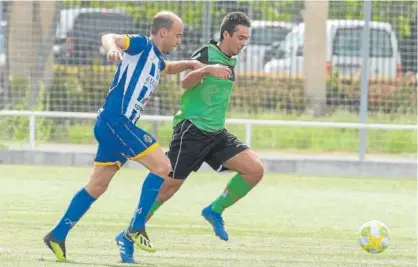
(344, 53)
(263, 34)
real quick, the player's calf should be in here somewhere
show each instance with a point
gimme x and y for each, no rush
(169, 188)
(250, 171)
(160, 167)
(100, 179)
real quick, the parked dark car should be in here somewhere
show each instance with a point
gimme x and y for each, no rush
(82, 42)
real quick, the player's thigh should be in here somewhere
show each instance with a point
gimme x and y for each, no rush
(156, 161)
(226, 147)
(248, 164)
(188, 148)
(136, 144)
(232, 154)
(111, 149)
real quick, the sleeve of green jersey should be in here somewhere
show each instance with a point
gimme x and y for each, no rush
(200, 55)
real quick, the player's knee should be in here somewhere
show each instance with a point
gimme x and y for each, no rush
(258, 172)
(255, 172)
(96, 189)
(168, 189)
(100, 180)
(163, 169)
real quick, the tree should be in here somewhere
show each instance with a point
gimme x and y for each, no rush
(32, 28)
(398, 13)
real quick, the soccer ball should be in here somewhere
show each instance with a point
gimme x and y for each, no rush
(374, 237)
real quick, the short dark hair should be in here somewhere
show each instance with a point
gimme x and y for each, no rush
(232, 20)
(163, 19)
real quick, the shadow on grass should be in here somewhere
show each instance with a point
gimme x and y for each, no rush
(81, 263)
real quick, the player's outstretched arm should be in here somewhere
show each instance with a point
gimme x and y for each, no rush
(175, 67)
(115, 43)
(194, 77)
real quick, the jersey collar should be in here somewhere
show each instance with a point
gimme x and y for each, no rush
(157, 51)
(212, 41)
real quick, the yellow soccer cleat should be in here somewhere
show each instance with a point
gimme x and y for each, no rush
(141, 239)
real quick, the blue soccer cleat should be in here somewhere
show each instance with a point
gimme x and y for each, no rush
(126, 247)
(217, 222)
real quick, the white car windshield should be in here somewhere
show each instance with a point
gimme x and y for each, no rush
(263, 35)
(289, 44)
(347, 43)
(268, 35)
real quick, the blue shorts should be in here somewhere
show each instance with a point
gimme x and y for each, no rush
(120, 141)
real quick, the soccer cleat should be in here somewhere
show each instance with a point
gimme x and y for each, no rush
(126, 247)
(57, 247)
(217, 222)
(140, 238)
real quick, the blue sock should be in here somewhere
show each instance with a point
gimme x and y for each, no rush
(149, 193)
(80, 203)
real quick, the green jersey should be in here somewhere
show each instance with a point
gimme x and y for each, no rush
(206, 104)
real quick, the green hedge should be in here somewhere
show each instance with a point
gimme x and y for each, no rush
(256, 96)
(82, 89)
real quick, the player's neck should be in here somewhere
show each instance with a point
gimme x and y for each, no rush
(224, 48)
(158, 42)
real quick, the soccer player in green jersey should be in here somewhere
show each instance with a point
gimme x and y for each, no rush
(199, 126)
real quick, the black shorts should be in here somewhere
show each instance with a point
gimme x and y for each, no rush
(190, 147)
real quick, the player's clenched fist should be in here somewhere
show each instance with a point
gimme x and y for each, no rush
(219, 71)
(114, 56)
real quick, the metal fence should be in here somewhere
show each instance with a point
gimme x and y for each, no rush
(303, 63)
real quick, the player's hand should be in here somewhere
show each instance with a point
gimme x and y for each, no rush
(219, 71)
(114, 55)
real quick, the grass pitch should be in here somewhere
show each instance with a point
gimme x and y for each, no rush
(285, 221)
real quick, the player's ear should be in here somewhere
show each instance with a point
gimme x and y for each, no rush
(225, 34)
(163, 32)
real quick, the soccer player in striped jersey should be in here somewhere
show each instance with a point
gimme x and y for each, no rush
(140, 64)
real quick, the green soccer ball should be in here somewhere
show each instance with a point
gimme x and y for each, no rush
(374, 237)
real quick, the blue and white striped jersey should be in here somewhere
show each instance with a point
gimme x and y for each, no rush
(137, 76)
